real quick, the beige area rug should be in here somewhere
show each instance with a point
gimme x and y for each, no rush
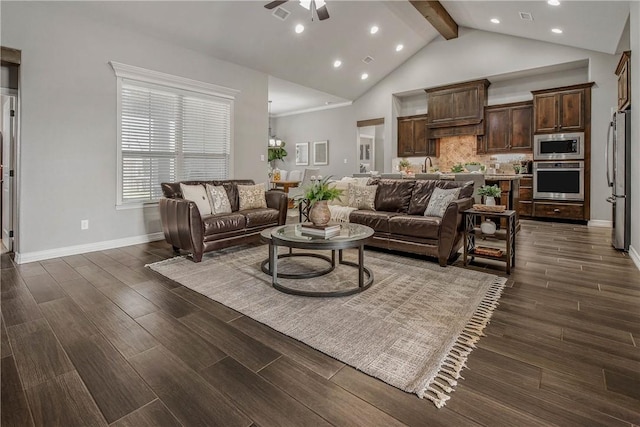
(413, 328)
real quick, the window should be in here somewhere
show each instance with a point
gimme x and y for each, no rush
(167, 133)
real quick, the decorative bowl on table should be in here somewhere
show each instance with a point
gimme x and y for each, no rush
(473, 167)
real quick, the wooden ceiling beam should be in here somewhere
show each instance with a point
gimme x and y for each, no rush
(437, 15)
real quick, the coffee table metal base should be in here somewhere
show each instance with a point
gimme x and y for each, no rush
(362, 272)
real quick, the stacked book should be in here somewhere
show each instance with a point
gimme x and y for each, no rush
(326, 231)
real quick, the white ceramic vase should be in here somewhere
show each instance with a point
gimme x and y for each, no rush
(489, 200)
(488, 227)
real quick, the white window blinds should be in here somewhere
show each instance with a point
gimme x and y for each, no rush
(168, 135)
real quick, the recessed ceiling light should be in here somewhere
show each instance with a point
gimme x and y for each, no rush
(495, 20)
(554, 2)
(374, 29)
(337, 63)
(399, 48)
(299, 28)
(556, 30)
(364, 76)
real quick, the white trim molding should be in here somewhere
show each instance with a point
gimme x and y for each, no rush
(23, 258)
(600, 223)
(142, 74)
(635, 256)
(312, 109)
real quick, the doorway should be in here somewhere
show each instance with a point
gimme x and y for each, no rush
(9, 141)
(7, 150)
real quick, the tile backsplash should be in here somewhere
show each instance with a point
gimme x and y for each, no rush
(463, 149)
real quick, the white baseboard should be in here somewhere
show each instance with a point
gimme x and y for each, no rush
(600, 223)
(635, 256)
(23, 258)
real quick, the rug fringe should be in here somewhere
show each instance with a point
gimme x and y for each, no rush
(441, 386)
(165, 261)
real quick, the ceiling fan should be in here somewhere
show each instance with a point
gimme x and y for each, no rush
(318, 5)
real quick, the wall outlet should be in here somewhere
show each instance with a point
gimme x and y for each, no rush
(262, 157)
(345, 161)
(84, 224)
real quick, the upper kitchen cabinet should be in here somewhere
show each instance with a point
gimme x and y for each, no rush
(624, 81)
(561, 109)
(457, 109)
(508, 128)
(413, 137)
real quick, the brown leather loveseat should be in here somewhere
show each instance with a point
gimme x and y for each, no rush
(184, 228)
(399, 222)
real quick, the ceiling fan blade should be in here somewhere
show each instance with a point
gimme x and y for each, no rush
(323, 13)
(274, 4)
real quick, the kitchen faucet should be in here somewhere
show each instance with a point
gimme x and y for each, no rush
(424, 168)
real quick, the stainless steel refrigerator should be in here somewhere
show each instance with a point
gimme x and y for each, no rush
(618, 161)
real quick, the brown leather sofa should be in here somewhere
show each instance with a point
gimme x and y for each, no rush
(399, 222)
(184, 228)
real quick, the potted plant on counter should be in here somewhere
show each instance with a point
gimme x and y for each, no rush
(318, 194)
(489, 192)
(472, 166)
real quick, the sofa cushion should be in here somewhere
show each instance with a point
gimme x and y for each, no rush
(251, 196)
(231, 186)
(218, 199)
(424, 187)
(439, 201)
(379, 221)
(223, 223)
(343, 200)
(260, 217)
(426, 227)
(197, 194)
(394, 195)
(362, 196)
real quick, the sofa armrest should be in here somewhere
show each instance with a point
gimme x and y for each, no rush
(450, 226)
(277, 199)
(182, 225)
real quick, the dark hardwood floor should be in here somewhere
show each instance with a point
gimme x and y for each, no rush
(99, 339)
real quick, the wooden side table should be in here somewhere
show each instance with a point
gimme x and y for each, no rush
(285, 186)
(505, 237)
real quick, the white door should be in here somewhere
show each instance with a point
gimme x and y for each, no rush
(8, 139)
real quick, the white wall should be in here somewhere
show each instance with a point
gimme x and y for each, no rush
(68, 141)
(477, 54)
(336, 125)
(635, 132)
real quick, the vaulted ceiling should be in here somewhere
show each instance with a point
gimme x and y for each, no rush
(245, 33)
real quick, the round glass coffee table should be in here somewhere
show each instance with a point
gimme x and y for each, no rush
(292, 237)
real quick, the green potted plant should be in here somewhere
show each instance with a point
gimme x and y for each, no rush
(489, 192)
(457, 168)
(403, 164)
(318, 194)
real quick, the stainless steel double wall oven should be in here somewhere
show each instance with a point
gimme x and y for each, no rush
(558, 167)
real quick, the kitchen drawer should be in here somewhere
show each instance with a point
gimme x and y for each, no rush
(558, 210)
(525, 208)
(526, 193)
(526, 182)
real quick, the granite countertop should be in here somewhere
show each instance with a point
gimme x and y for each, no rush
(487, 177)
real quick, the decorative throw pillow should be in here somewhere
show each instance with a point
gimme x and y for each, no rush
(362, 196)
(218, 199)
(252, 196)
(439, 201)
(198, 195)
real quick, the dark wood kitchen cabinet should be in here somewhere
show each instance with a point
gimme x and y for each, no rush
(413, 137)
(457, 109)
(525, 201)
(624, 81)
(508, 128)
(561, 109)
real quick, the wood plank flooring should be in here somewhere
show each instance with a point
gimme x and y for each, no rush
(98, 339)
